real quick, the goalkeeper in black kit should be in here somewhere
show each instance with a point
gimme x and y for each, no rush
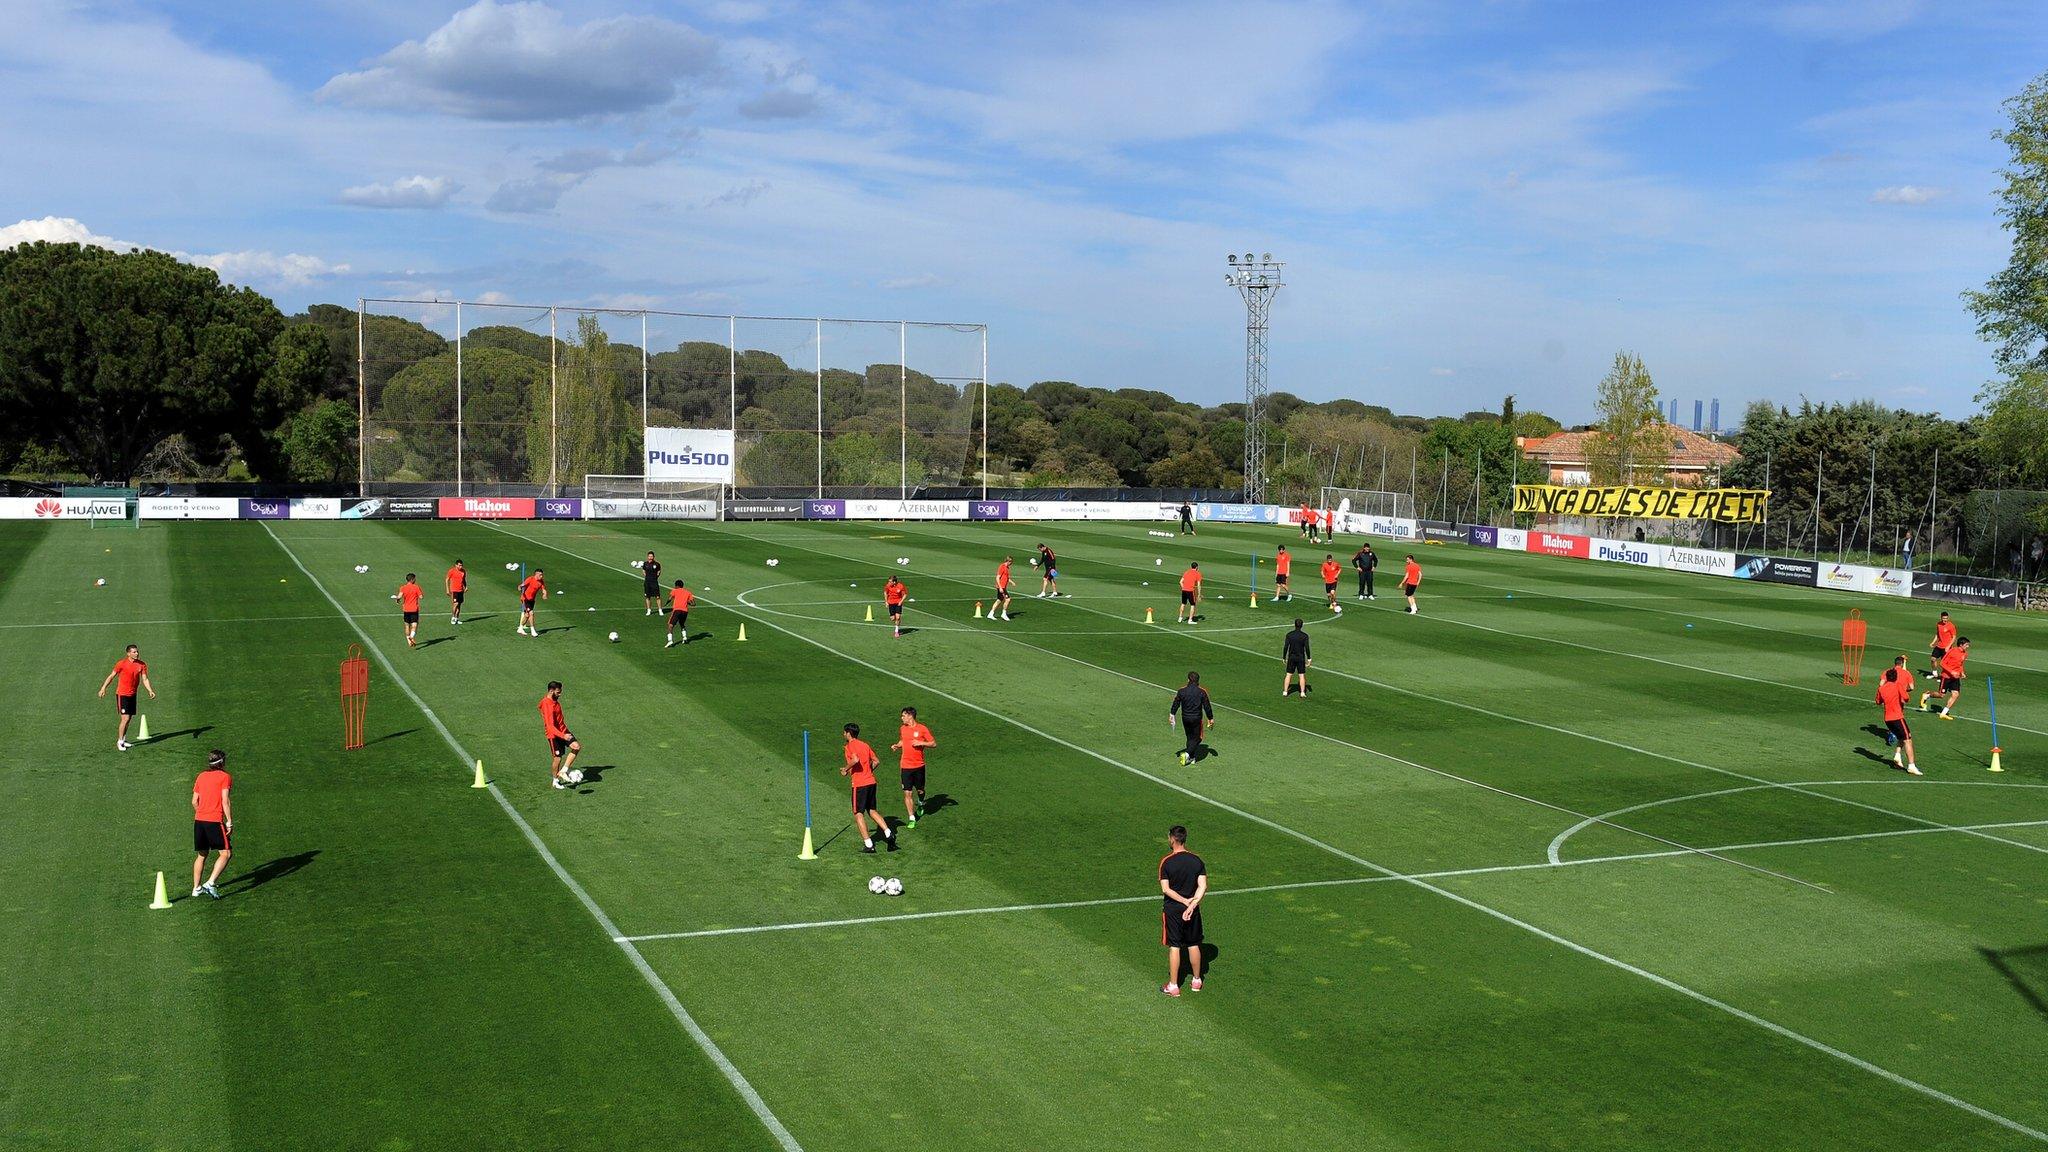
(1196, 715)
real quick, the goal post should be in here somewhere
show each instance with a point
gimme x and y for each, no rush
(1366, 502)
(128, 514)
(624, 497)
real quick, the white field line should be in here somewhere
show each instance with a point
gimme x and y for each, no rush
(1197, 634)
(1449, 873)
(703, 1040)
(1609, 651)
(1665, 982)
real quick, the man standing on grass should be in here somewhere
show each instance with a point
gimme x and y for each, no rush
(1307, 522)
(893, 594)
(679, 601)
(534, 588)
(1190, 593)
(1294, 650)
(1892, 692)
(1951, 677)
(1191, 708)
(1048, 572)
(562, 743)
(455, 582)
(1411, 579)
(912, 738)
(1282, 566)
(1365, 560)
(1329, 526)
(212, 821)
(1002, 603)
(1944, 638)
(1183, 880)
(129, 670)
(860, 769)
(408, 597)
(1331, 571)
(1187, 518)
(650, 587)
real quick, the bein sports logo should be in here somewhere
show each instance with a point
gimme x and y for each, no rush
(49, 508)
(689, 458)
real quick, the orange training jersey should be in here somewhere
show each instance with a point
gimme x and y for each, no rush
(680, 599)
(1329, 518)
(911, 735)
(1003, 574)
(533, 587)
(1190, 580)
(1952, 663)
(457, 580)
(552, 721)
(1412, 574)
(1331, 570)
(1282, 562)
(130, 671)
(861, 759)
(1892, 694)
(209, 793)
(1945, 634)
(892, 594)
(409, 596)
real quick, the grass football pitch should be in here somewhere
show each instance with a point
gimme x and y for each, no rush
(1583, 856)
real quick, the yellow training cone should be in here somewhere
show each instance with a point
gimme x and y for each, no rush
(163, 899)
(807, 854)
(977, 609)
(743, 631)
(1995, 765)
(141, 728)
(1148, 615)
(1255, 599)
(871, 614)
(481, 780)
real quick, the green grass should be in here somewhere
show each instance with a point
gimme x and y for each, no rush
(1857, 962)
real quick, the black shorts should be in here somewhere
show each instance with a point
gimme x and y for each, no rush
(652, 590)
(1002, 593)
(126, 704)
(1280, 580)
(1052, 573)
(678, 619)
(913, 779)
(209, 836)
(526, 605)
(1329, 585)
(1409, 589)
(1187, 598)
(1297, 667)
(455, 598)
(1175, 932)
(1898, 728)
(895, 611)
(1951, 684)
(411, 617)
(864, 798)
(560, 744)
(1935, 654)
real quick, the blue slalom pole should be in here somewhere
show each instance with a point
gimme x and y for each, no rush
(807, 853)
(1255, 578)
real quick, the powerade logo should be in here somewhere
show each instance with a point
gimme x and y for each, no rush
(1622, 554)
(688, 458)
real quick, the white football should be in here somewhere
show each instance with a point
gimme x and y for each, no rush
(100, 583)
(773, 563)
(575, 775)
(1157, 560)
(893, 888)
(639, 563)
(1034, 561)
(615, 635)
(512, 567)
(876, 884)
(903, 559)
(1339, 609)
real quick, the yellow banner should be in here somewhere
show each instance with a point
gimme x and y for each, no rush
(1639, 502)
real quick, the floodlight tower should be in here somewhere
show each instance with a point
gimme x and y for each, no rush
(1257, 279)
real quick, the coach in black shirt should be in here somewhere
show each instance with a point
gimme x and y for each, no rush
(1365, 560)
(1294, 650)
(1183, 880)
(1191, 707)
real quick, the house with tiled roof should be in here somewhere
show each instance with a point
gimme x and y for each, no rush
(1691, 461)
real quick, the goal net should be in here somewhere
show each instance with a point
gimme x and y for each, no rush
(1356, 505)
(122, 506)
(621, 497)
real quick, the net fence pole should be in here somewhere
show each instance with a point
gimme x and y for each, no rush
(902, 410)
(362, 408)
(458, 397)
(984, 412)
(818, 432)
(643, 392)
(554, 359)
(732, 381)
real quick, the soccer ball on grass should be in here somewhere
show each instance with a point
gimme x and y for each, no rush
(615, 637)
(876, 884)
(575, 776)
(893, 887)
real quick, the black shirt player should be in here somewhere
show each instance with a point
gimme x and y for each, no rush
(1294, 650)
(1365, 560)
(1192, 708)
(1187, 518)
(1183, 881)
(650, 572)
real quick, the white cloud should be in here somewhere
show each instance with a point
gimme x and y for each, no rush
(1845, 375)
(1907, 194)
(524, 62)
(1843, 19)
(406, 192)
(1443, 371)
(59, 230)
(583, 161)
(247, 267)
(539, 193)
(904, 283)
(737, 196)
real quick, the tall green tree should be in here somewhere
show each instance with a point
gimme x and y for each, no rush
(106, 355)
(2012, 309)
(1630, 438)
(583, 421)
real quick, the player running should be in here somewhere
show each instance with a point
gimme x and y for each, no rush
(1944, 639)
(408, 597)
(455, 582)
(912, 738)
(534, 588)
(1952, 677)
(1331, 572)
(679, 601)
(1190, 593)
(1366, 561)
(1048, 572)
(1294, 651)
(1411, 579)
(1191, 708)
(562, 743)
(129, 670)
(1183, 880)
(1002, 604)
(1283, 565)
(1892, 692)
(212, 821)
(860, 769)
(893, 594)
(650, 587)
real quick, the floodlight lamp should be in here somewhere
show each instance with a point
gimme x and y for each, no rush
(1232, 258)
(1267, 257)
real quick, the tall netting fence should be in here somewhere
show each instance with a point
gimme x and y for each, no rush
(509, 399)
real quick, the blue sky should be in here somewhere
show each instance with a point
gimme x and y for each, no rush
(1762, 199)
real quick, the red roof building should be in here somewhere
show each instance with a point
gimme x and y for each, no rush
(1692, 461)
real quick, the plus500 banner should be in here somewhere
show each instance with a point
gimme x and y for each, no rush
(690, 454)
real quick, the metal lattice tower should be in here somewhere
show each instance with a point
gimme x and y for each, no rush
(1257, 279)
